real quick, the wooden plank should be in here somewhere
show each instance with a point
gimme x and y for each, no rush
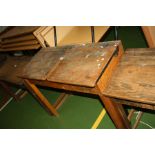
(137, 120)
(5, 30)
(18, 39)
(140, 51)
(28, 47)
(131, 114)
(41, 63)
(49, 38)
(68, 87)
(134, 79)
(61, 31)
(149, 32)
(18, 31)
(18, 44)
(82, 34)
(40, 29)
(82, 65)
(100, 31)
(46, 30)
(106, 76)
(37, 34)
(60, 100)
(134, 104)
(74, 34)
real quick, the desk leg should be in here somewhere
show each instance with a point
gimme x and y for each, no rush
(116, 113)
(35, 91)
(4, 100)
(8, 90)
(60, 100)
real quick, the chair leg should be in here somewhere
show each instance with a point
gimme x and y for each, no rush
(60, 100)
(131, 114)
(138, 118)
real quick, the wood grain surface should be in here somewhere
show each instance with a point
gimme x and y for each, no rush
(81, 65)
(140, 51)
(134, 78)
(28, 47)
(19, 44)
(18, 39)
(18, 30)
(75, 64)
(42, 63)
(149, 33)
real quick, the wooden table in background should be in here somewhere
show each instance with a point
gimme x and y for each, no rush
(84, 68)
(9, 69)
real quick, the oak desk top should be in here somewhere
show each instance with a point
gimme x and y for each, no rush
(80, 64)
(134, 77)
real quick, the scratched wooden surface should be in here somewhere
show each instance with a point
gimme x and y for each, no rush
(12, 67)
(75, 64)
(81, 65)
(140, 51)
(134, 78)
(18, 30)
(18, 44)
(42, 63)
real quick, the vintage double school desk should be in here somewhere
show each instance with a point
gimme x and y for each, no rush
(102, 69)
(29, 38)
(84, 68)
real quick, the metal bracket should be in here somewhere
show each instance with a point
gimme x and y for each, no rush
(116, 51)
(55, 36)
(92, 34)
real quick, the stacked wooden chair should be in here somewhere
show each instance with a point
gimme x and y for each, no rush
(19, 38)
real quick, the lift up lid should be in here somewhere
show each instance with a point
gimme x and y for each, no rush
(80, 64)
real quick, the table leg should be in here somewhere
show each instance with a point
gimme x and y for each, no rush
(35, 91)
(8, 90)
(137, 120)
(131, 114)
(116, 113)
